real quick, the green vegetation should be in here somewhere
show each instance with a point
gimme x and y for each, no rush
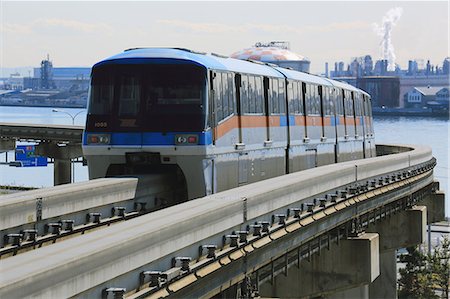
(425, 276)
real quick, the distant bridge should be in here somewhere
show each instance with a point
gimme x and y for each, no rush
(328, 230)
(60, 142)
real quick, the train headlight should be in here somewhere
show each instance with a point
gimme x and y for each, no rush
(99, 139)
(186, 139)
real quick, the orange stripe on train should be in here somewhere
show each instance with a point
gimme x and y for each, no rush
(299, 120)
(226, 126)
(260, 121)
(314, 121)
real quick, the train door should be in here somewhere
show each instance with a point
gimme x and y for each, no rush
(312, 125)
(278, 123)
(253, 128)
(226, 132)
(296, 126)
(327, 140)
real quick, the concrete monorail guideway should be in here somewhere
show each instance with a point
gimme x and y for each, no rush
(201, 247)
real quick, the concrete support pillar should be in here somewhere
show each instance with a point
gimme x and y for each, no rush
(62, 172)
(407, 228)
(435, 204)
(7, 145)
(62, 156)
(352, 263)
(385, 286)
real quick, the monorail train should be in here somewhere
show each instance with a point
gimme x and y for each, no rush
(218, 122)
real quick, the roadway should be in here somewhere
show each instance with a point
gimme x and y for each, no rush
(40, 133)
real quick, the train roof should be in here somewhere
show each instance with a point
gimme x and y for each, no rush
(345, 85)
(209, 61)
(221, 63)
(305, 77)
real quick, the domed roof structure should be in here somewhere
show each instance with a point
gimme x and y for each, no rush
(274, 52)
(267, 54)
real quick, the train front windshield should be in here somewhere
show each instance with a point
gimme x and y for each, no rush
(147, 97)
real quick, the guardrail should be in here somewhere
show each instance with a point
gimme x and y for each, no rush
(98, 258)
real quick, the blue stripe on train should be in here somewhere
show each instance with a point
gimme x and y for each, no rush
(151, 138)
(283, 120)
(156, 138)
(334, 120)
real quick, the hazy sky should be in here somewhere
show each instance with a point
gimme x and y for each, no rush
(82, 33)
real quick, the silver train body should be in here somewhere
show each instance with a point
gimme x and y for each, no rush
(218, 122)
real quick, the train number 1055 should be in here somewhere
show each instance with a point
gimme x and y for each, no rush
(101, 124)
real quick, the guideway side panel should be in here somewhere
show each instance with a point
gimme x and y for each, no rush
(352, 263)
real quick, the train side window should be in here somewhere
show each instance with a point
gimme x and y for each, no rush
(291, 97)
(331, 101)
(244, 95)
(312, 100)
(307, 99)
(129, 95)
(300, 98)
(331, 106)
(259, 95)
(317, 104)
(339, 102)
(274, 104)
(281, 96)
(358, 106)
(218, 97)
(297, 92)
(348, 104)
(366, 107)
(225, 95)
(325, 101)
(361, 105)
(251, 95)
(231, 95)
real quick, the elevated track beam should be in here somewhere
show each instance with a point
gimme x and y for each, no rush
(292, 210)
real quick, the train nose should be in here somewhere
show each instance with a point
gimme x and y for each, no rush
(143, 158)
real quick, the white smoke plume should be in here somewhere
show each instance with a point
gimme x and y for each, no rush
(384, 31)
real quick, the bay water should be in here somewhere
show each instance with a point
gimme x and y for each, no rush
(433, 132)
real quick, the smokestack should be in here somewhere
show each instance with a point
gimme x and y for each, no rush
(384, 31)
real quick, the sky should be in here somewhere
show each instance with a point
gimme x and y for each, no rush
(81, 33)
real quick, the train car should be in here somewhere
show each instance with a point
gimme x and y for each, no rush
(218, 122)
